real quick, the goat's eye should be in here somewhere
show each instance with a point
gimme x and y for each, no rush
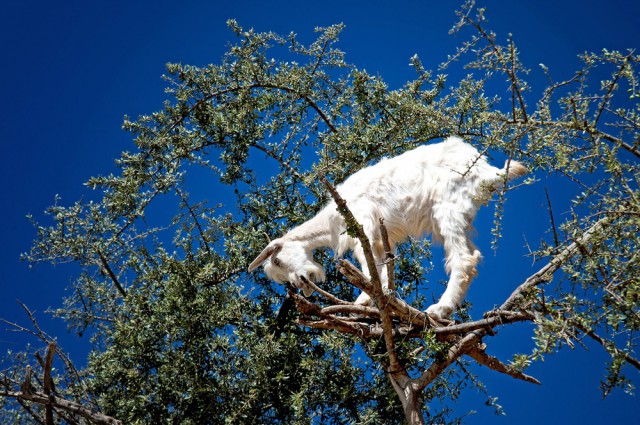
(276, 261)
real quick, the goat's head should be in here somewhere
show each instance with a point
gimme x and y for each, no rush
(289, 261)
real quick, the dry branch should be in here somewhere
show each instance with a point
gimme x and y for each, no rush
(493, 363)
(48, 381)
(61, 403)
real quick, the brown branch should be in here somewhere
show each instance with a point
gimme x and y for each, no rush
(61, 403)
(399, 307)
(553, 222)
(48, 381)
(25, 386)
(328, 321)
(502, 318)
(365, 331)
(27, 407)
(453, 353)
(109, 272)
(324, 293)
(351, 309)
(493, 363)
(355, 228)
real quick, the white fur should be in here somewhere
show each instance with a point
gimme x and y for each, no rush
(435, 189)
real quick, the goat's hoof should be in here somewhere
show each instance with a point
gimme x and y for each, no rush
(440, 312)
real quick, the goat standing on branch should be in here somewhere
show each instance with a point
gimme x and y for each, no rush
(433, 189)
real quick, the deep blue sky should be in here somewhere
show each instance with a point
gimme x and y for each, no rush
(71, 70)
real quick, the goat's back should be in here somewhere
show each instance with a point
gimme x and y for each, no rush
(403, 190)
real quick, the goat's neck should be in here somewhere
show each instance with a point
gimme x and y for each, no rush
(315, 232)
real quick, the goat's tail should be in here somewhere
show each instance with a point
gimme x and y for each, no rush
(513, 169)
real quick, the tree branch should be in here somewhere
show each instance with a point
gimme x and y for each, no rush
(69, 406)
(493, 363)
(109, 272)
(48, 381)
(453, 353)
(324, 293)
(545, 273)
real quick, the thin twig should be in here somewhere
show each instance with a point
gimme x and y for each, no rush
(109, 272)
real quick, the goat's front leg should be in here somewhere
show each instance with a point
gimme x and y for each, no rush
(462, 257)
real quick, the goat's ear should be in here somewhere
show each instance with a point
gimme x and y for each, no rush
(266, 253)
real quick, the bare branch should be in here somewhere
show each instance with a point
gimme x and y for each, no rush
(399, 307)
(69, 406)
(356, 228)
(352, 309)
(324, 293)
(501, 318)
(107, 269)
(453, 353)
(48, 381)
(553, 222)
(493, 363)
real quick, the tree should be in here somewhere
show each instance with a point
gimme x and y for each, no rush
(181, 333)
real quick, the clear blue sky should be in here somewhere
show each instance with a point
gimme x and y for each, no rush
(71, 70)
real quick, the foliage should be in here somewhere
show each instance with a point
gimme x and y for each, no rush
(182, 334)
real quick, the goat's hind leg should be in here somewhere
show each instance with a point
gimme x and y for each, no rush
(462, 257)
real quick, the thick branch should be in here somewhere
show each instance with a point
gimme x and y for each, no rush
(356, 229)
(66, 405)
(399, 307)
(351, 309)
(48, 381)
(453, 353)
(365, 331)
(500, 318)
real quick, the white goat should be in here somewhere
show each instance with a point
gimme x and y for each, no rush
(435, 189)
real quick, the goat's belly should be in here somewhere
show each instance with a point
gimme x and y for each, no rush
(400, 229)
